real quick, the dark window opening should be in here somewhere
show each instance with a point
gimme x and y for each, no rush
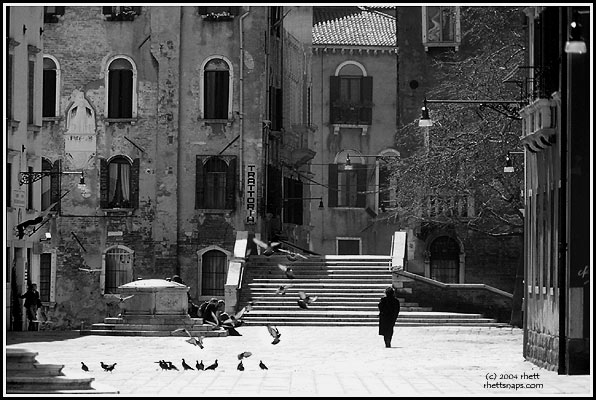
(121, 13)
(49, 88)
(213, 274)
(351, 100)
(120, 89)
(215, 182)
(294, 205)
(45, 275)
(31, 92)
(51, 13)
(216, 87)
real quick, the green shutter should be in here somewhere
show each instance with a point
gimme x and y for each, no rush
(134, 183)
(367, 100)
(55, 185)
(200, 184)
(103, 182)
(231, 185)
(333, 98)
(332, 190)
(361, 175)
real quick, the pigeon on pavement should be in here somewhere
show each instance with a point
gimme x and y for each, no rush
(186, 366)
(84, 367)
(263, 366)
(213, 366)
(274, 333)
(200, 366)
(197, 341)
(107, 367)
(240, 366)
(162, 364)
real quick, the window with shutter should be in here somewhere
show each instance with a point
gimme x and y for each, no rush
(215, 182)
(332, 178)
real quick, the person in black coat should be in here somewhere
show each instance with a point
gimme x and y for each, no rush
(388, 311)
(32, 303)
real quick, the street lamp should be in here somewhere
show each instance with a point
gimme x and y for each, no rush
(576, 43)
(509, 108)
(321, 206)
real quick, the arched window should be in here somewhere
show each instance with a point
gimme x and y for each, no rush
(216, 182)
(119, 183)
(121, 84)
(51, 86)
(118, 263)
(213, 276)
(217, 88)
(351, 95)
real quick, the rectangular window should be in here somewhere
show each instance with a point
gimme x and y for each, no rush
(50, 13)
(30, 191)
(45, 276)
(215, 196)
(216, 94)
(294, 205)
(49, 93)
(346, 188)
(8, 182)
(275, 108)
(348, 246)
(30, 92)
(441, 26)
(215, 186)
(351, 100)
(9, 83)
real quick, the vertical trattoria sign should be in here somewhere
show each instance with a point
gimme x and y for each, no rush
(250, 194)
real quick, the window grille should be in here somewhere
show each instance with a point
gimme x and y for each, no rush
(213, 276)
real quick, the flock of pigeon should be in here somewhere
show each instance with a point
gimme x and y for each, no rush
(234, 320)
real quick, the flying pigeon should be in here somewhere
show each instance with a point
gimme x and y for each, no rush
(263, 366)
(289, 272)
(240, 366)
(186, 366)
(197, 341)
(305, 300)
(84, 367)
(282, 289)
(90, 270)
(212, 366)
(294, 256)
(274, 333)
(236, 319)
(119, 297)
(200, 366)
(107, 367)
(269, 248)
(245, 354)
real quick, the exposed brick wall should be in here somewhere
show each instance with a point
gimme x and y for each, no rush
(543, 350)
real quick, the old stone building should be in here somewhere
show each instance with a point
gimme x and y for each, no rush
(167, 114)
(24, 55)
(366, 84)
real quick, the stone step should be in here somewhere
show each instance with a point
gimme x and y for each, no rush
(154, 320)
(17, 355)
(372, 323)
(322, 313)
(33, 369)
(319, 277)
(125, 332)
(323, 320)
(346, 307)
(44, 384)
(269, 295)
(335, 284)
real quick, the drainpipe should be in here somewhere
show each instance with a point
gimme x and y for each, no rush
(241, 102)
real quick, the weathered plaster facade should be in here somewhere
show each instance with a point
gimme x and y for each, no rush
(162, 232)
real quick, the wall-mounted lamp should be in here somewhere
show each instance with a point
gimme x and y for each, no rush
(509, 108)
(321, 206)
(576, 43)
(28, 177)
(508, 162)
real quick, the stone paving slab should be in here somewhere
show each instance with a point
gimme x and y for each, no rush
(313, 361)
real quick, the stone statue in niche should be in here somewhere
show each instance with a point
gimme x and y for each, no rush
(80, 136)
(80, 117)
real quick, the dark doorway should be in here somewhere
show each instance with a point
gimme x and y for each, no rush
(444, 260)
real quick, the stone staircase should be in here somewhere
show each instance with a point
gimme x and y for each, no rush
(348, 289)
(24, 375)
(152, 326)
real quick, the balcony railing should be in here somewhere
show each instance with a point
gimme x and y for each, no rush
(351, 113)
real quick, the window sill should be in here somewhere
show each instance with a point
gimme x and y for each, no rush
(455, 45)
(209, 121)
(118, 211)
(12, 123)
(51, 120)
(338, 126)
(131, 121)
(221, 211)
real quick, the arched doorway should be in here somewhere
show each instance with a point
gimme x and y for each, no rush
(444, 260)
(213, 273)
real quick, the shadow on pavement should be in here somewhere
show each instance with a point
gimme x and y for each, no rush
(13, 337)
